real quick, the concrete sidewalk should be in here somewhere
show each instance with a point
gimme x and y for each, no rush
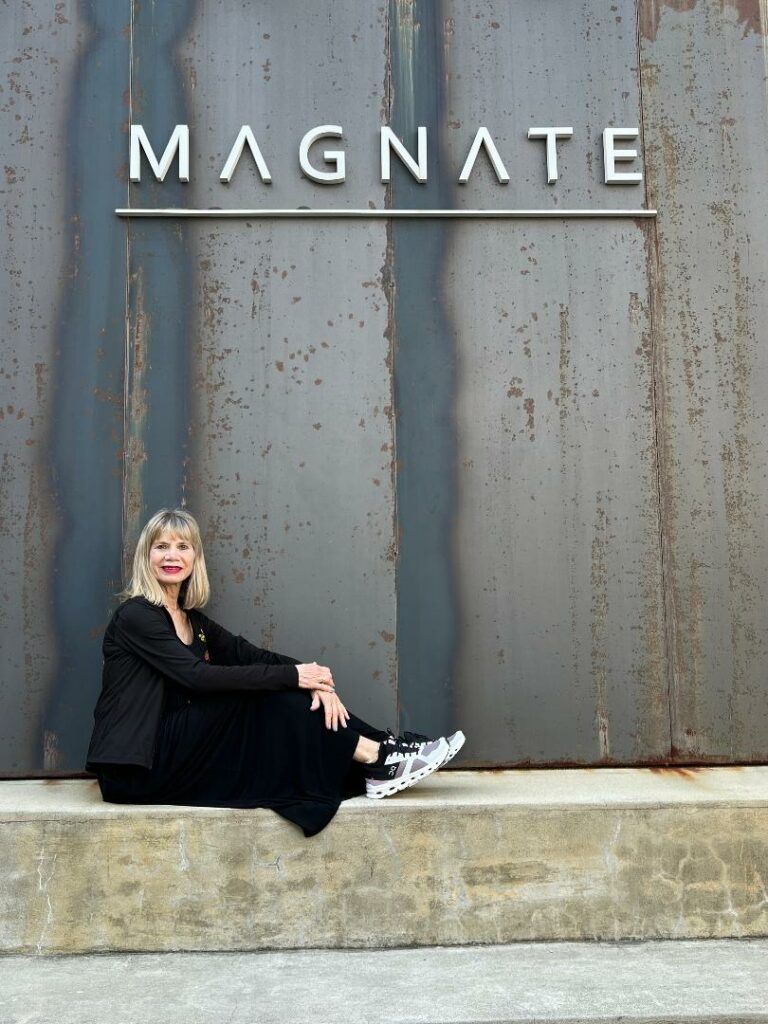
(635, 983)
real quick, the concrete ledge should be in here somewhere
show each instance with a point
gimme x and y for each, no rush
(468, 857)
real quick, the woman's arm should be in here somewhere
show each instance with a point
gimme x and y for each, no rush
(227, 649)
(144, 631)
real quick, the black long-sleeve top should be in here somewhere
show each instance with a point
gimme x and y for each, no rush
(141, 650)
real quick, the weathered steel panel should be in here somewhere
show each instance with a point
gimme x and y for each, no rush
(424, 381)
(62, 108)
(557, 538)
(706, 140)
(292, 435)
(38, 61)
(87, 412)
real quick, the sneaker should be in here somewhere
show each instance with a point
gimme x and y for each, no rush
(455, 742)
(413, 740)
(410, 740)
(398, 766)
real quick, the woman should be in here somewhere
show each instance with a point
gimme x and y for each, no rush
(190, 714)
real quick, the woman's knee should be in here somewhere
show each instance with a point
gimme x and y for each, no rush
(287, 700)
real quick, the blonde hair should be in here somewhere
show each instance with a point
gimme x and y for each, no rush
(195, 590)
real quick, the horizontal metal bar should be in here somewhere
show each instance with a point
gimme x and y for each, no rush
(385, 213)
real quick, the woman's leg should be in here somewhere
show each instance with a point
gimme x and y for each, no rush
(365, 729)
(366, 751)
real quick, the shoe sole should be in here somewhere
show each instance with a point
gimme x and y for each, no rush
(397, 785)
(455, 743)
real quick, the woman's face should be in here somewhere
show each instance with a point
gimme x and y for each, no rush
(171, 558)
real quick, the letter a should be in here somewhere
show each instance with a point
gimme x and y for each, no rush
(483, 138)
(245, 136)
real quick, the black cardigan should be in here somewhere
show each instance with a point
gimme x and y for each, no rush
(141, 650)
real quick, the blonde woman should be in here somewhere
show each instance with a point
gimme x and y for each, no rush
(191, 714)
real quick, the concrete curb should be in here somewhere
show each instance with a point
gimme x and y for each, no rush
(564, 983)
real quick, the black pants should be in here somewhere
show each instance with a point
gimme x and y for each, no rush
(246, 750)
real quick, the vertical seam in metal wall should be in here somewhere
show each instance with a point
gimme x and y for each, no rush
(389, 290)
(667, 607)
(127, 355)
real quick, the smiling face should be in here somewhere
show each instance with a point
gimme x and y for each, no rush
(171, 559)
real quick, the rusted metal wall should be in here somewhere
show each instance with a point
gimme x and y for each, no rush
(705, 116)
(558, 527)
(63, 314)
(291, 401)
(508, 475)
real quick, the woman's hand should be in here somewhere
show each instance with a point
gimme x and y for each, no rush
(335, 713)
(315, 677)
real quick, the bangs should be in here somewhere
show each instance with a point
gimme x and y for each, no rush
(178, 527)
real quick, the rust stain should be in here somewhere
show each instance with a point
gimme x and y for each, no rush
(680, 660)
(135, 416)
(51, 753)
(562, 403)
(108, 396)
(748, 14)
(651, 10)
(647, 764)
(695, 636)
(564, 364)
(649, 667)
(211, 377)
(407, 28)
(743, 512)
(636, 309)
(40, 534)
(6, 491)
(599, 625)
(529, 406)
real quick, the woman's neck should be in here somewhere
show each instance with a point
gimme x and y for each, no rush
(171, 597)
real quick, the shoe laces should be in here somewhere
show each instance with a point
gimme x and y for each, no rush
(407, 743)
(417, 738)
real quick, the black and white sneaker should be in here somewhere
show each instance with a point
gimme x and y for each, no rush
(413, 740)
(399, 765)
(455, 742)
(407, 740)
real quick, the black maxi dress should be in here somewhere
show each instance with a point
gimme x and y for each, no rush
(240, 749)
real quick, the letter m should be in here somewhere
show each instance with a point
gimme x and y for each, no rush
(179, 141)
